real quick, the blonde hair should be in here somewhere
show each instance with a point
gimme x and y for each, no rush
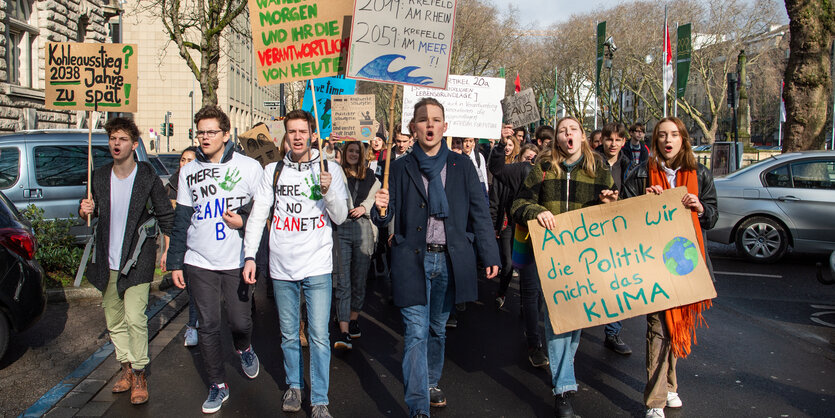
(558, 155)
(510, 158)
(358, 170)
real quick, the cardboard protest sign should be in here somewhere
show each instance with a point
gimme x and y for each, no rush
(100, 77)
(325, 88)
(299, 40)
(520, 109)
(615, 261)
(354, 117)
(258, 144)
(402, 42)
(277, 130)
(472, 105)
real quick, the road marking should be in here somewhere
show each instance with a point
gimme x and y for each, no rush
(733, 273)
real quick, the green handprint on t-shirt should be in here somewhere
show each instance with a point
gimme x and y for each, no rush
(315, 189)
(230, 179)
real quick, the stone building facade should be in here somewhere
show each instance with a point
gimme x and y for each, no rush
(27, 25)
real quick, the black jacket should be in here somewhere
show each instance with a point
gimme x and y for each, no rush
(623, 161)
(507, 180)
(638, 180)
(628, 151)
(146, 185)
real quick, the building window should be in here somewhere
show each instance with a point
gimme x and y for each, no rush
(22, 41)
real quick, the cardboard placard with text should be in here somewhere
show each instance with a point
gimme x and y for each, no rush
(296, 40)
(354, 117)
(258, 144)
(472, 105)
(612, 262)
(91, 76)
(402, 42)
(520, 109)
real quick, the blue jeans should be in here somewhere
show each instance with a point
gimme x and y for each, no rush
(317, 293)
(425, 333)
(613, 328)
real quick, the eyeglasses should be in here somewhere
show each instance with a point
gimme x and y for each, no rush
(210, 134)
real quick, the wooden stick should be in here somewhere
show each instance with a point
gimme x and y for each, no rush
(388, 143)
(89, 161)
(316, 115)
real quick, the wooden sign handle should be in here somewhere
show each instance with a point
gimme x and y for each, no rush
(316, 116)
(89, 161)
(388, 143)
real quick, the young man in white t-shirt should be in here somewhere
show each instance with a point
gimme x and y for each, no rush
(214, 192)
(121, 194)
(307, 203)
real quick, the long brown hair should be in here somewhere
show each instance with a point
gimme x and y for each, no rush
(357, 171)
(510, 158)
(685, 159)
(558, 155)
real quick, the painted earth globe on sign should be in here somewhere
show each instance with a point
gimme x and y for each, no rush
(681, 256)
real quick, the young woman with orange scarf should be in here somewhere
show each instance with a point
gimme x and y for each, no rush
(672, 164)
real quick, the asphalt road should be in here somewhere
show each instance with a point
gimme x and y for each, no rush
(761, 356)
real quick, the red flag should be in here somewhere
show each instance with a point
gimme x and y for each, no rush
(518, 83)
(667, 58)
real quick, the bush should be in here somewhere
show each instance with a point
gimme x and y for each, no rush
(57, 252)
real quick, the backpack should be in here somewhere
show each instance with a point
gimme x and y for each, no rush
(262, 257)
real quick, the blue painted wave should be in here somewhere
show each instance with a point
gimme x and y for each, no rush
(378, 69)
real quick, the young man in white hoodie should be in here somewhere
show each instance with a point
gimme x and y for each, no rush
(305, 204)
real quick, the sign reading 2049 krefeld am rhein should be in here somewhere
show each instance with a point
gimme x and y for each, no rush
(611, 262)
(91, 76)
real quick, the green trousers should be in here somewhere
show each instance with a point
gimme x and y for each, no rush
(127, 322)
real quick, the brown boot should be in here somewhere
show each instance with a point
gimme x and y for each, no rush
(139, 389)
(125, 379)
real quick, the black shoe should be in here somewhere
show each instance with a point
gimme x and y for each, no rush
(537, 357)
(343, 342)
(354, 329)
(437, 398)
(562, 406)
(614, 343)
(461, 307)
(452, 323)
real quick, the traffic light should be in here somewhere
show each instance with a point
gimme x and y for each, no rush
(162, 129)
(170, 129)
(190, 133)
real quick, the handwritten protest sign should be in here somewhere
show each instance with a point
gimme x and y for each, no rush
(325, 88)
(472, 105)
(615, 261)
(297, 40)
(100, 77)
(354, 117)
(402, 42)
(258, 144)
(520, 109)
(276, 130)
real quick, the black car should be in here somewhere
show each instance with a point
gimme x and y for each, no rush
(22, 280)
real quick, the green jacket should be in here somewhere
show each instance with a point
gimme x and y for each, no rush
(544, 190)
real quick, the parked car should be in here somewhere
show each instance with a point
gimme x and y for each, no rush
(171, 161)
(22, 280)
(48, 168)
(784, 200)
(159, 168)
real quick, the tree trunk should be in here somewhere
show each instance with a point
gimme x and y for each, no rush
(808, 82)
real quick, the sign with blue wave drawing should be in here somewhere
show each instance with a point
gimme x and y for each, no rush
(402, 42)
(325, 88)
(611, 262)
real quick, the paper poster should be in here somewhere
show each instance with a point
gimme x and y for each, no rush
(402, 42)
(520, 109)
(614, 261)
(472, 105)
(325, 88)
(299, 40)
(91, 76)
(354, 117)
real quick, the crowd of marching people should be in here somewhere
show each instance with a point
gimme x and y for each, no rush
(313, 223)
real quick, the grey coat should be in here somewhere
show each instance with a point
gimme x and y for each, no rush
(146, 185)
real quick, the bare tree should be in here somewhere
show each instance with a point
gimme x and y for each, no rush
(481, 39)
(808, 80)
(196, 27)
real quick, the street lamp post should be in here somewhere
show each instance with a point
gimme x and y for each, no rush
(191, 96)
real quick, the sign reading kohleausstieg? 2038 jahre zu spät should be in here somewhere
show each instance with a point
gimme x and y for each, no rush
(614, 261)
(91, 76)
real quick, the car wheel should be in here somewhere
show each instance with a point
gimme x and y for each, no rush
(762, 239)
(5, 333)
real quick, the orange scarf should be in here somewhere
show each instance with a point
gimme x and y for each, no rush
(683, 320)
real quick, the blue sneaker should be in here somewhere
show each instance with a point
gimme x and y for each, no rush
(217, 396)
(249, 362)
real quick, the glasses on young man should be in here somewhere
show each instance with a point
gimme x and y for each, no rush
(209, 134)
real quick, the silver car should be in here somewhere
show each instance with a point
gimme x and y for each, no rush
(784, 200)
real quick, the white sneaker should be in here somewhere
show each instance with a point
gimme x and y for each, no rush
(190, 338)
(655, 413)
(673, 401)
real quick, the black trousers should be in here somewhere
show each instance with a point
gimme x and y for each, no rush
(505, 241)
(211, 288)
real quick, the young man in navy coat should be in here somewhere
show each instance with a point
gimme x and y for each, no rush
(439, 214)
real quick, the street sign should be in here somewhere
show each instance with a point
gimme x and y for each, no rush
(272, 104)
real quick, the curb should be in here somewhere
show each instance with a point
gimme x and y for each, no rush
(69, 294)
